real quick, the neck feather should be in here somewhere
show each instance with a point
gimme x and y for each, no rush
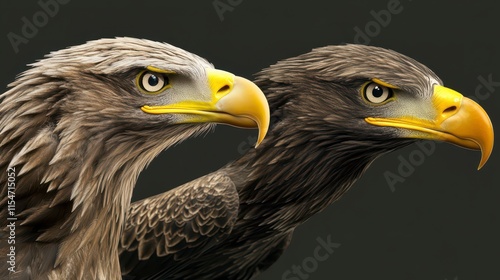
(298, 172)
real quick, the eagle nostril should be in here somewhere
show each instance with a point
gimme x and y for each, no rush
(224, 88)
(223, 91)
(449, 110)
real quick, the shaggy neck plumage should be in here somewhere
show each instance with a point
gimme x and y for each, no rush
(102, 194)
(98, 191)
(302, 167)
(92, 184)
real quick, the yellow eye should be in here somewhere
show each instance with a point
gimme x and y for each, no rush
(376, 93)
(152, 82)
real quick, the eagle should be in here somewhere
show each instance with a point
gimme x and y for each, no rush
(334, 110)
(77, 128)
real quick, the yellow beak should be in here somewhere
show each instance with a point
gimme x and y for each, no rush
(458, 120)
(234, 100)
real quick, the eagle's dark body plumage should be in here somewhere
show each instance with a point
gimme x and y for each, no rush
(75, 132)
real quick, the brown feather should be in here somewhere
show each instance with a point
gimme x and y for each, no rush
(200, 213)
(72, 128)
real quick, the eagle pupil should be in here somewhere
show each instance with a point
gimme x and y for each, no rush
(377, 92)
(153, 80)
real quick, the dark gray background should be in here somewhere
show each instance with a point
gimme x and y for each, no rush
(443, 222)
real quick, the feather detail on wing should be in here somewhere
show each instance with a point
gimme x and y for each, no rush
(178, 224)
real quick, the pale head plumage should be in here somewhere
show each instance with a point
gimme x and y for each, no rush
(73, 129)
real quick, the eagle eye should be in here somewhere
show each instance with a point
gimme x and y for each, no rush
(377, 94)
(152, 82)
